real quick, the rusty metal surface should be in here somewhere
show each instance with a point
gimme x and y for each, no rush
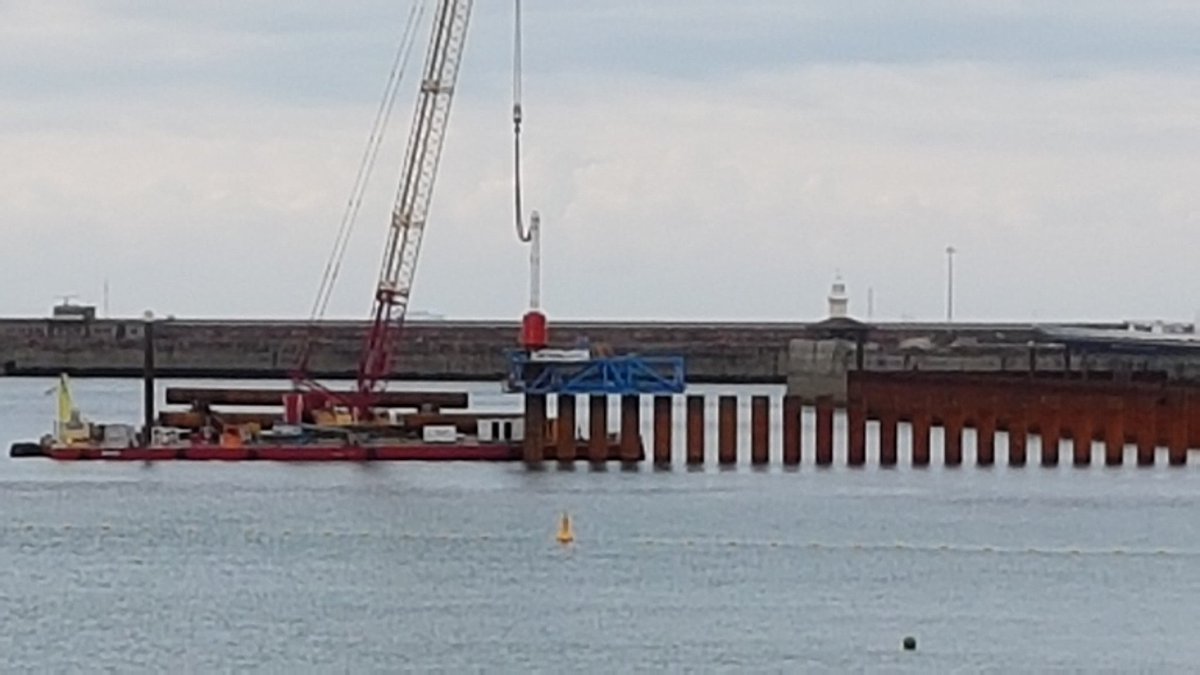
(695, 430)
(663, 423)
(274, 397)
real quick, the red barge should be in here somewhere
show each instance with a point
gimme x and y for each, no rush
(293, 453)
(462, 452)
(415, 429)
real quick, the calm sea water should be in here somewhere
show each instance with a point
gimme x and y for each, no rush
(346, 568)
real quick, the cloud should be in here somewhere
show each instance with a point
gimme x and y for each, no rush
(717, 185)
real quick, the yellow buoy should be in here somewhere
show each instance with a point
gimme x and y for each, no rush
(565, 534)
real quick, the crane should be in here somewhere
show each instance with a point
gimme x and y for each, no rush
(409, 214)
(413, 197)
(533, 323)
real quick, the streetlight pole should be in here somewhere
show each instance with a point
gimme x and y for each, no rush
(950, 251)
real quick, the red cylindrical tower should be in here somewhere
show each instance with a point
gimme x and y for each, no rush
(534, 332)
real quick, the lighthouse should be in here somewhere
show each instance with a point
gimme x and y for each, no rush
(839, 302)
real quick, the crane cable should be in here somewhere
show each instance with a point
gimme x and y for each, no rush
(367, 164)
(524, 234)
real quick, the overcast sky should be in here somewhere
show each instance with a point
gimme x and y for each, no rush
(692, 159)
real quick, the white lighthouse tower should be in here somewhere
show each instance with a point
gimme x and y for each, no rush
(839, 302)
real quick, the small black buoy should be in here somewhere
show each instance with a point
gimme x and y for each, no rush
(910, 643)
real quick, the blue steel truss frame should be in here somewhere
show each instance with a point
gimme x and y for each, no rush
(620, 375)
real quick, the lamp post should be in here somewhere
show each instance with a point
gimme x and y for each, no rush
(950, 251)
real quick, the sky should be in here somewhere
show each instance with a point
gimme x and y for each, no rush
(692, 160)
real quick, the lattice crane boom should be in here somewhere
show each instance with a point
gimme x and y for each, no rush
(413, 195)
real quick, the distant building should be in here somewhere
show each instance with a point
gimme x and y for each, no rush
(68, 312)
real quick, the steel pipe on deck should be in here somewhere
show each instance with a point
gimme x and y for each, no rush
(274, 397)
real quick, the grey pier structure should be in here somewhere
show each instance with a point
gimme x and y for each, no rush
(813, 359)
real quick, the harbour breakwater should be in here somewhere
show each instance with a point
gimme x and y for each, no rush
(812, 358)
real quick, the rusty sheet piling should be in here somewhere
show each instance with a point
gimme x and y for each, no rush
(985, 438)
(793, 430)
(597, 428)
(1114, 432)
(1178, 426)
(856, 431)
(952, 427)
(1082, 433)
(921, 423)
(566, 445)
(1018, 434)
(1090, 412)
(535, 429)
(662, 430)
(824, 431)
(727, 431)
(1050, 430)
(888, 445)
(631, 433)
(695, 430)
(1147, 432)
(760, 430)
